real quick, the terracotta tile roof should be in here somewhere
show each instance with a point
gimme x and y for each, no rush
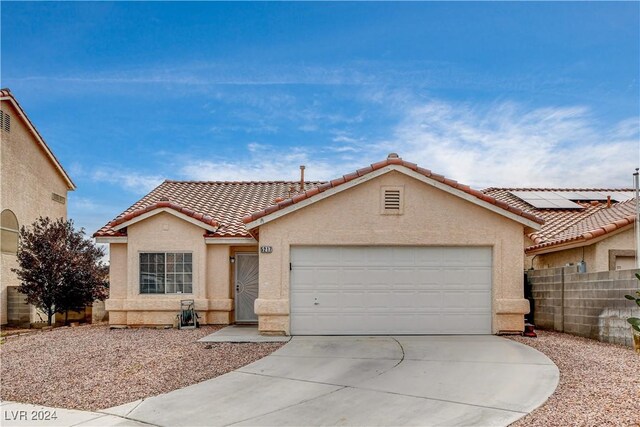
(598, 224)
(571, 225)
(393, 159)
(215, 203)
(230, 205)
(5, 94)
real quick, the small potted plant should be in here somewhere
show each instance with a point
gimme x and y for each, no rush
(634, 321)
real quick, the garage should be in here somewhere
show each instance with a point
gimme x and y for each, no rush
(390, 290)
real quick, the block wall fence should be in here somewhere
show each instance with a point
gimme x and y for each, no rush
(590, 305)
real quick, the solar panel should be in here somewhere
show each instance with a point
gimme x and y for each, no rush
(621, 196)
(592, 195)
(546, 200)
(566, 204)
(565, 199)
(571, 195)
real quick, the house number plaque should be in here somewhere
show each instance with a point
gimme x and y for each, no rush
(266, 249)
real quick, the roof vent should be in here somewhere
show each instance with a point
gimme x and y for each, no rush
(392, 203)
(392, 199)
(5, 121)
(163, 199)
(393, 156)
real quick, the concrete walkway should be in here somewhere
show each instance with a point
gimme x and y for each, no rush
(242, 333)
(425, 380)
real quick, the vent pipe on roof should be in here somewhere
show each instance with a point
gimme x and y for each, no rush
(302, 178)
(608, 202)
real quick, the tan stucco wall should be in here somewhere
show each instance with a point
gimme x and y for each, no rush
(167, 233)
(431, 218)
(27, 179)
(562, 258)
(596, 255)
(620, 241)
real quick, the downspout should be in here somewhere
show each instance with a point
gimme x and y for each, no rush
(561, 329)
(636, 185)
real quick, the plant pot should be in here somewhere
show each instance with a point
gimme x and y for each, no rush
(636, 340)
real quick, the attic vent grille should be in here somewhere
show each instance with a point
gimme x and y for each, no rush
(5, 121)
(57, 198)
(392, 199)
(392, 202)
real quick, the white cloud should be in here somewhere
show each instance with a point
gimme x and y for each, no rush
(508, 145)
(135, 182)
(263, 162)
(501, 144)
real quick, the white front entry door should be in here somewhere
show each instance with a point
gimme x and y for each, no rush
(387, 290)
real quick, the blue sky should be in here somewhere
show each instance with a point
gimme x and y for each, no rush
(490, 94)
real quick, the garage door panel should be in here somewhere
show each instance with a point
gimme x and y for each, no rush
(390, 290)
(409, 299)
(478, 299)
(427, 276)
(454, 299)
(478, 276)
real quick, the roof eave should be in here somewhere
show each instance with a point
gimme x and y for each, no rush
(584, 239)
(153, 212)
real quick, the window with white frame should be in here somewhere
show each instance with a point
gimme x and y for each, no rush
(166, 273)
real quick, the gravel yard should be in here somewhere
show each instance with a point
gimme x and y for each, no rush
(94, 367)
(599, 383)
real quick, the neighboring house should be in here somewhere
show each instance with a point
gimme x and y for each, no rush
(594, 226)
(33, 184)
(389, 249)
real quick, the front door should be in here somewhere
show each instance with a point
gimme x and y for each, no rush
(246, 287)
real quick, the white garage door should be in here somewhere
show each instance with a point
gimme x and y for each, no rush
(348, 290)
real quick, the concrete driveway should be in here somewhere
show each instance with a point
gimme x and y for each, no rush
(404, 380)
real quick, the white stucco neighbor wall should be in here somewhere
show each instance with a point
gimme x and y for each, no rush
(431, 217)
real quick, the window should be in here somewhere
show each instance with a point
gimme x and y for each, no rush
(9, 229)
(166, 273)
(392, 200)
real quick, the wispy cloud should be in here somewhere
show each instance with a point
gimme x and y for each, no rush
(262, 162)
(132, 181)
(507, 144)
(501, 144)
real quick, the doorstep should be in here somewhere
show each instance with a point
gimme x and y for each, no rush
(242, 333)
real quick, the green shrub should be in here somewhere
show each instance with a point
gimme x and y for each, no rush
(634, 321)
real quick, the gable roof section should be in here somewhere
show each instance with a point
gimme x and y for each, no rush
(394, 162)
(216, 204)
(572, 227)
(596, 226)
(6, 95)
(165, 206)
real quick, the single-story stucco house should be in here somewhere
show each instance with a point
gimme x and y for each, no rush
(389, 249)
(591, 227)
